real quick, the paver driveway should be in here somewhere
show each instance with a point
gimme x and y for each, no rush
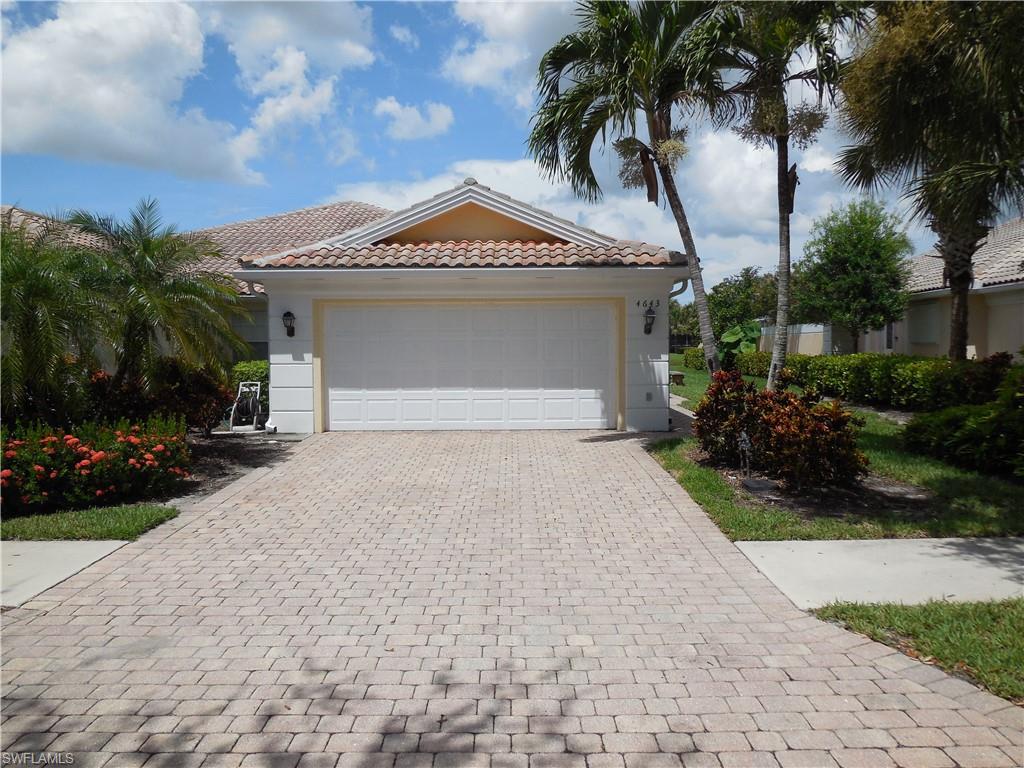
(542, 599)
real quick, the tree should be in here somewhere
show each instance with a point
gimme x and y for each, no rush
(768, 40)
(746, 296)
(630, 63)
(50, 316)
(854, 272)
(934, 104)
(682, 318)
(159, 295)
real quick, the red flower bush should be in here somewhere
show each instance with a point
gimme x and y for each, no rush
(795, 438)
(43, 468)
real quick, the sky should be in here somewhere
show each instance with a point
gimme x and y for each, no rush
(236, 110)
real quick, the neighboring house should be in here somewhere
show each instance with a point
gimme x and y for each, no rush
(469, 310)
(245, 240)
(995, 312)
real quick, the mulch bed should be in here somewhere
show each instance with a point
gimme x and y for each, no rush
(872, 493)
(220, 459)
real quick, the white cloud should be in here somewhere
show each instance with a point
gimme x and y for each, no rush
(404, 35)
(732, 182)
(817, 159)
(100, 82)
(334, 36)
(510, 40)
(408, 122)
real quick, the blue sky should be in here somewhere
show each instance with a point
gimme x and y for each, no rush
(228, 111)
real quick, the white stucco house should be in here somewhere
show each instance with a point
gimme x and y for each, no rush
(470, 310)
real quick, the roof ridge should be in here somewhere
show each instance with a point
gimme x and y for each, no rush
(307, 209)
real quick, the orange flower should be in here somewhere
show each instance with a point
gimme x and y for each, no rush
(10, 454)
(158, 448)
(53, 474)
(147, 456)
(99, 492)
(99, 456)
(39, 469)
(6, 473)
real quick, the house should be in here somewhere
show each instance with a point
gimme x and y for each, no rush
(995, 311)
(469, 310)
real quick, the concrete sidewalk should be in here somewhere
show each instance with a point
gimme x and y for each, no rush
(31, 567)
(813, 573)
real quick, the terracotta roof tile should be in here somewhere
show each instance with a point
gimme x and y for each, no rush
(36, 222)
(477, 253)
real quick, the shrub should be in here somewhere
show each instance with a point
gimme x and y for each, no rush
(693, 357)
(899, 381)
(988, 436)
(197, 395)
(253, 370)
(794, 438)
(753, 363)
(740, 338)
(44, 468)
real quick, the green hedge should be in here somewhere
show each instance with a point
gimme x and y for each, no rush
(989, 437)
(895, 381)
(693, 357)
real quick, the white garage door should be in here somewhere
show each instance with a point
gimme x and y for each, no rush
(470, 366)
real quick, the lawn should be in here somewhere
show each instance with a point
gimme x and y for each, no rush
(126, 522)
(982, 640)
(963, 503)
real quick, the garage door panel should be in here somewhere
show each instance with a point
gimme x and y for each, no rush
(516, 366)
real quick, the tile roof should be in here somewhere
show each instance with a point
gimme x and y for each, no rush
(244, 241)
(35, 223)
(999, 260)
(478, 253)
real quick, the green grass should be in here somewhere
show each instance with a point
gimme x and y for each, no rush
(126, 522)
(982, 640)
(963, 503)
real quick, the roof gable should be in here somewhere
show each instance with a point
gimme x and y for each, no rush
(544, 226)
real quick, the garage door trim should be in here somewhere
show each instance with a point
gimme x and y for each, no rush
(320, 306)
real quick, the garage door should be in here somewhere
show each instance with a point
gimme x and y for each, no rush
(470, 366)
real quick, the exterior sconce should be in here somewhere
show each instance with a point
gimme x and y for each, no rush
(649, 313)
(289, 323)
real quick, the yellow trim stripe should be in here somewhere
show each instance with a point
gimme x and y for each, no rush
(321, 305)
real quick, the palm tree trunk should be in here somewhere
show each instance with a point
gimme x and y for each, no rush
(958, 256)
(700, 299)
(782, 277)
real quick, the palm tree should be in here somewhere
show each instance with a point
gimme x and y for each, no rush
(49, 318)
(163, 300)
(768, 43)
(935, 105)
(628, 62)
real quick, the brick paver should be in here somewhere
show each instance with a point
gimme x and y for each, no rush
(418, 600)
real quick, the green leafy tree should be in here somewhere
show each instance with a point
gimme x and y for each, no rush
(683, 319)
(770, 43)
(740, 298)
(854, 272)
(630, 68)
(934, 104)
(160, 300)
(50, 317)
